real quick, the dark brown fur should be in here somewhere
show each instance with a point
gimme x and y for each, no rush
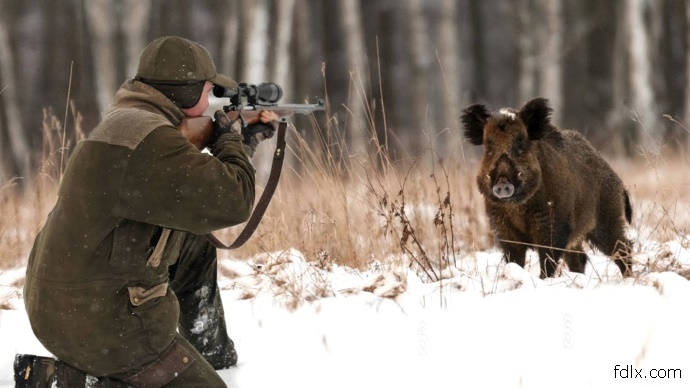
(547, 189)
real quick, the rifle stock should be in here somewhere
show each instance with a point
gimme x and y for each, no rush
(198, 130)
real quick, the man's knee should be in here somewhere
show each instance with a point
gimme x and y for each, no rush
(180, 365)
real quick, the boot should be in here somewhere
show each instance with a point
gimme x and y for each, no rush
(33, 371)
(223, 359)
(46, 372)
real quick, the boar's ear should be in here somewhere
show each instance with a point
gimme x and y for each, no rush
(536, 114)
(473, 118)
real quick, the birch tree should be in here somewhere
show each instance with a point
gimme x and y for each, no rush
(231, 38)
(642, 95)
(255, 41)
(134, 22)
(450, 61)
(102, 22)
(420, 58)
(527, 57)
(357, 127)
(539, 56)
(13, 131)
(551, 43)
(281, 65)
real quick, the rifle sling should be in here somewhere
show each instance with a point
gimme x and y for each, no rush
(260, 208)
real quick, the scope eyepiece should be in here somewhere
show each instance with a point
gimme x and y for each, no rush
(264, 93)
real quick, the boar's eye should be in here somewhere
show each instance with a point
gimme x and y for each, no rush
(520, 146)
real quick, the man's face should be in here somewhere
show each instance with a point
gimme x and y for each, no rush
(201, 106)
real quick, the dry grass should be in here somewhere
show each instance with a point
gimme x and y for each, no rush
(358, 210)
(25, 202)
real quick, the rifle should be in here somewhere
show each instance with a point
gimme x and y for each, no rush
(246, 102)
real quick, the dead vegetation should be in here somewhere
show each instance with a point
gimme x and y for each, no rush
(359, 210)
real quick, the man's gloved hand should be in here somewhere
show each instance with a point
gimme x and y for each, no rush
(222, 125)
(262, 129)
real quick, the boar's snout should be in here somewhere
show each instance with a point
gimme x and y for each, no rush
(503, 179)
(503, 189)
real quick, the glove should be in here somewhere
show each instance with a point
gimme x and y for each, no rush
(255, 134)
(222, 125)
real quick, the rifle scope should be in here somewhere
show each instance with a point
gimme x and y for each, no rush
(263, 93)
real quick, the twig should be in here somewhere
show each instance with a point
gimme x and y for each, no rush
(64, 123)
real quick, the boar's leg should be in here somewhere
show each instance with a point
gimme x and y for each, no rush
(552, 242)
(548, 260)
(576, 259)
(514, 253)
(612, 241)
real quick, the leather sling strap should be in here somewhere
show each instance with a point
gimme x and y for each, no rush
(260, 208)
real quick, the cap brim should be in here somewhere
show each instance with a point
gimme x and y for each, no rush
(224, 81)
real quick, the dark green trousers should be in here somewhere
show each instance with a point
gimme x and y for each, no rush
(202, 341)
(99, 329)
(202, 318)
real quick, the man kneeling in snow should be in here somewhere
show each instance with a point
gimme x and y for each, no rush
(121, 284)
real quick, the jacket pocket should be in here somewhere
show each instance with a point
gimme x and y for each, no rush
(157, 312)
(141, 295)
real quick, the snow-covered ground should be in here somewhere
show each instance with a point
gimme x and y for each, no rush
(487, 325)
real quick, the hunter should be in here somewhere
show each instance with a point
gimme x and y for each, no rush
(121, 283)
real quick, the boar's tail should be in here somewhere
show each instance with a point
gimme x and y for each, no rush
(628, 207)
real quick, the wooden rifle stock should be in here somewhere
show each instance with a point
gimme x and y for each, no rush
(199, 130)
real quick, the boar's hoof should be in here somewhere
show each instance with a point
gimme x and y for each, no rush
(503, 190)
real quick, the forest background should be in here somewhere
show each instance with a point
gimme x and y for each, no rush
(395, 74)
(611, 69)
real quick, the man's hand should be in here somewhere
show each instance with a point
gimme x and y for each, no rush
(261, 128)
(222, 125)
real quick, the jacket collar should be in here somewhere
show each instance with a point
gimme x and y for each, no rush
(136, 94)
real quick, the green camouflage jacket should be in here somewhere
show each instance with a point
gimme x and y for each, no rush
(129, 194)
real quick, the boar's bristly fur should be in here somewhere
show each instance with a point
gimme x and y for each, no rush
(547, 189)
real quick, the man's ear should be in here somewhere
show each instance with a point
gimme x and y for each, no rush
(473, 119)
(536, 115)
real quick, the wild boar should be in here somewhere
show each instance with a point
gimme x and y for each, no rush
(547, 189)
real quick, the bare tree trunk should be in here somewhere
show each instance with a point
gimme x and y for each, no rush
(18, 143)
(255, 41)
(618, 116)
(308, 61)
(281, 64)
(231, 38)
(421, 59)
(134, 24)
(453, 85)
(357, 127)
(672, 65)
(100, 17)
(497, 27)
(254, 69)
(527, 50)
(539, 45)
(551, 42)
(686, 122)
(641, 73)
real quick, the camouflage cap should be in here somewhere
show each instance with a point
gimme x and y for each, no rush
(174, 60)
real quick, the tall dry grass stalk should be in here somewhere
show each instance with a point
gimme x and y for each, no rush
(24, 207)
